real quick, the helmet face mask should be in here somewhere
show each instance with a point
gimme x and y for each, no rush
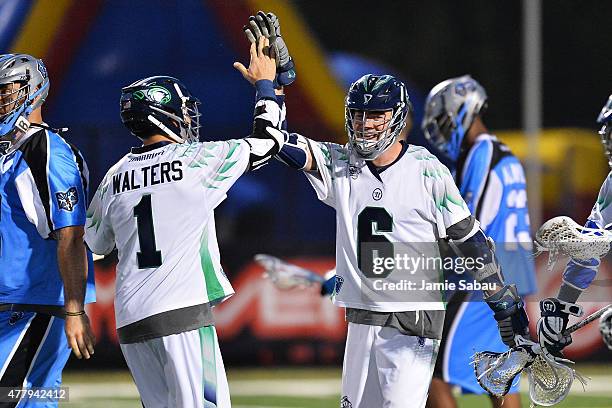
(450, 109)
(24, 86)
(160, 105)
(375, 113)
(12, 96)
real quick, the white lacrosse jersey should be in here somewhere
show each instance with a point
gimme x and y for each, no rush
(601, 215)
(156, 206)
(412, 201)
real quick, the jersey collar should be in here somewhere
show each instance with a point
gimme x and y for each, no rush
(148, 148)
(376, 171)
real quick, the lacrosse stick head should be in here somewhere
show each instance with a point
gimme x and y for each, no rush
(605, 327)
(562, 235)
(549, 381)
(285, 275)
(496, 372)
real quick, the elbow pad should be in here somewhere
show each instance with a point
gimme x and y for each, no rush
(470, 242)
(267, 138)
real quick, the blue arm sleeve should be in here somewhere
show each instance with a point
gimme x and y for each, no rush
(474, 175)
(580, 273)
(67, 195)
(264, 90)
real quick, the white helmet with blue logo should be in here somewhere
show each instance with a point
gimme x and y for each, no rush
(450, 109)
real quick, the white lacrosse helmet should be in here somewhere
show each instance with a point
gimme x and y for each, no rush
(450, 109)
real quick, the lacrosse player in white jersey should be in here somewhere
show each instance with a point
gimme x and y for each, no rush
(156, 206)
(579, 274)
(387, 191)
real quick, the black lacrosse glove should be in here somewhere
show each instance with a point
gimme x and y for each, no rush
(555, 314)
(267, 25)
(510, 314)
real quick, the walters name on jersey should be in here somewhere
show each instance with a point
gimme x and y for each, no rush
(156, 205)
(409, 204)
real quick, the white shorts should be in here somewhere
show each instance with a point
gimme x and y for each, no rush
(384, 368)
(180, 370)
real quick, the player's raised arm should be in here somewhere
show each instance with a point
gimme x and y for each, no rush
(267, 138)
(296, 151)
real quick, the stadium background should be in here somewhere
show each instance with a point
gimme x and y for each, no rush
(93, 47)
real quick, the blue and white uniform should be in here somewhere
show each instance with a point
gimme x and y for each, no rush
(492, 183)
(43, 188)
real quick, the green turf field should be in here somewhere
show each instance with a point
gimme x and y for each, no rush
(291, 388)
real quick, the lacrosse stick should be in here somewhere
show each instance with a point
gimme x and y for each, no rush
(286, 276)
(549, 380)
(563, 236)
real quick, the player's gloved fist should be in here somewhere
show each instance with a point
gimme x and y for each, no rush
(509, 311)
(553, 322)
(268, 25)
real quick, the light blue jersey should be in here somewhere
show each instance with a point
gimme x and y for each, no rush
(492, 183)
(43, 188)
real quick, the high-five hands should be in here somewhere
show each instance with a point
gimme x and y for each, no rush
(267, 25)
(262, 65)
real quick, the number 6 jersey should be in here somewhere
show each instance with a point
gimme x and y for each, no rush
(410, 202)
(156, 206)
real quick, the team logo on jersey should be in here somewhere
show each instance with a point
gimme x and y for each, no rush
(421, 341)
(15, 317)
(338, 284)
(354, 172)
(4, 146)
(377, 194)
(366, 98)
(66, 201)
(345, 403)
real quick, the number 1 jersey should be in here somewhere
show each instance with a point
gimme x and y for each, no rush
(156, 206)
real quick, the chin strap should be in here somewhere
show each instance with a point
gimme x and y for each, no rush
(47, 127)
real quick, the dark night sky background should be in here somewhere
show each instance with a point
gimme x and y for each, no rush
(431, 40)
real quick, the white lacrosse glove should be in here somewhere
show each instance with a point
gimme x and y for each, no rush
(555, 314)
(286, 276)
(605, 328)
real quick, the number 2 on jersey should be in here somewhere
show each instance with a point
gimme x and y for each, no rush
(149, 256)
